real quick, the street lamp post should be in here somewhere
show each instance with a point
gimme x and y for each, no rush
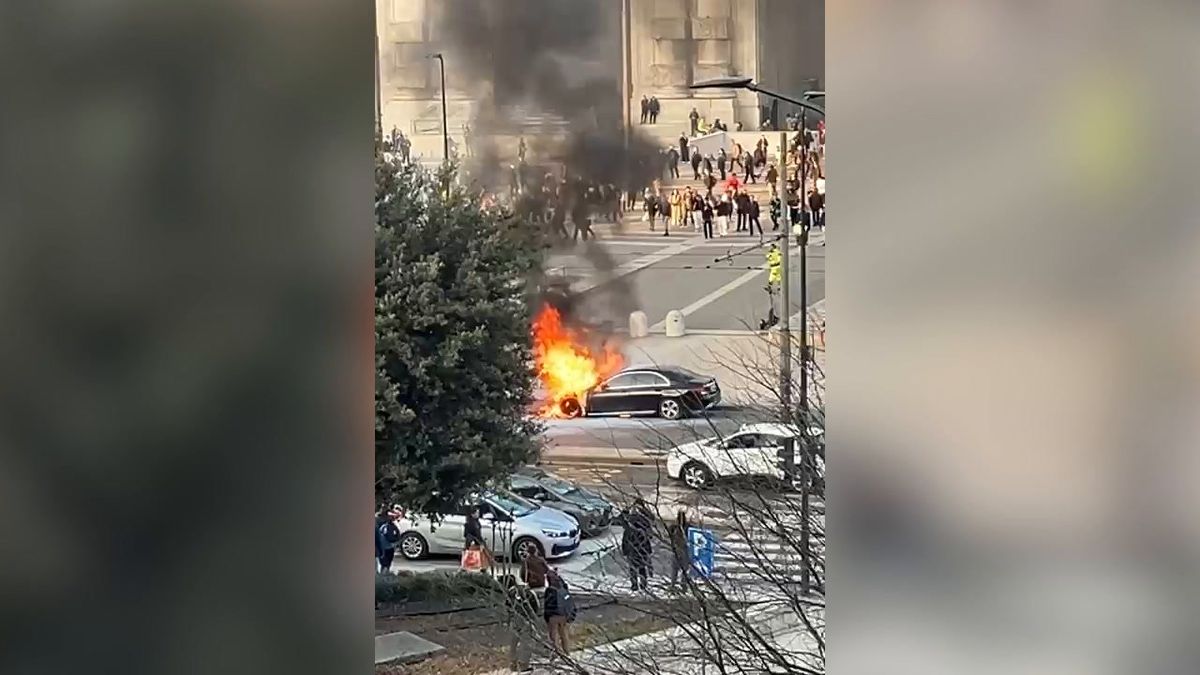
(445, 125)
(785, 374)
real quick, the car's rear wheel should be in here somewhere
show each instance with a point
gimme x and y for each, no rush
(412, 546)
(670, 409)
(525, 547)
(696, 476)
(570, 407)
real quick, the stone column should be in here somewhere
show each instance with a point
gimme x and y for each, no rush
(712, 34)
(670, 48)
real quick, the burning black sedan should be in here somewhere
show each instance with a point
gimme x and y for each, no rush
(670, 392)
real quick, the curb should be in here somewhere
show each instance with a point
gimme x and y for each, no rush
(590, 461)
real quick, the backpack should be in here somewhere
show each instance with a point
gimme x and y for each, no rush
(391, 533)
(566, 604)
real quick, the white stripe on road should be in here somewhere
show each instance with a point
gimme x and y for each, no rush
(714, 296)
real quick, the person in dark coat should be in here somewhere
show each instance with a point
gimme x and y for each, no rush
(673, 163)
(772, 175)
(816, 206)
(637, 544)
(706, 216)
(721, 162)
(681, 559)
(743, 210)
(754, 213)
(645, 109)
(708, 164)
(655, 108)
(683, 149)
(696, 165)
(748, 162)
(694, 119)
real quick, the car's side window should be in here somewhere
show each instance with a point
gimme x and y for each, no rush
(622, 381)
(742, 441)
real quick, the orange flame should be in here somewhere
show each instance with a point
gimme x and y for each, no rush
(566, 365)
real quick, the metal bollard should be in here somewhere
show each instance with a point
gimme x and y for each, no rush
(638, 325)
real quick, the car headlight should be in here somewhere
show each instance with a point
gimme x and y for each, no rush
(554, 533)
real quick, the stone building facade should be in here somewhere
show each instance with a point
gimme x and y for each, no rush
(666, 45)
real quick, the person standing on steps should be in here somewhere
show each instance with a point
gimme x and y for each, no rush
(721, 162)
(645, 109)
(694, 119)
(684, 155)
(673, 163)
(696, 166)
(655, 108)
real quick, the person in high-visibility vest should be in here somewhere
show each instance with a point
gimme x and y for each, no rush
(774, 266)
(774, 280)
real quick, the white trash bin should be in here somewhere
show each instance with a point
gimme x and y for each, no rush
(674, 324)
(638, 325)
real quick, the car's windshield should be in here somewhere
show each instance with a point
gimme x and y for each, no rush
(514, 505)
(558, 486)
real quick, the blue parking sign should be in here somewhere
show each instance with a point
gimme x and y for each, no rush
(701, 544)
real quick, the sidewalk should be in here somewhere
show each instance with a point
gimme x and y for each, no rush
(675, 650)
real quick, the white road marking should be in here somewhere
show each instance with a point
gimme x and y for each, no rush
(714, 296)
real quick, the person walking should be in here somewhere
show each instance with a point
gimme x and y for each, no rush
(816, 206)
(558, 608)
(748, 163)
(681, 559)
(722, 160)
(473, 535)
(675, 209)
(683, 149)
(706, 216)
(652, 207)
(772, 175)
(694, 119)
(697, 204)
(673, 163)
(645, 109)
(776, 212)
(637, 545)
(387, 536)
(696, 166)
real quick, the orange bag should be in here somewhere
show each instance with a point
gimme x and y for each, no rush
(472, 559)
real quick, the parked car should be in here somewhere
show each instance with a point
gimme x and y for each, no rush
(511, 525)
(670, 392)
(753, 451)
(593, 512)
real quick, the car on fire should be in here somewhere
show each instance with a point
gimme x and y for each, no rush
(670, 392)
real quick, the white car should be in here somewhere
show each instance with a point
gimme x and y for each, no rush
(754, 450)
(510, 523)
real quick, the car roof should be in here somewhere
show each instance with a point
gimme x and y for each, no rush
(670, 371)
(777, 429)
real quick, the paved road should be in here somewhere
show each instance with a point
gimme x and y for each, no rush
(647, 433)
(657, 274)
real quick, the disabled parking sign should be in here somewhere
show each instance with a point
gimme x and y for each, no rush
(701, 544)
